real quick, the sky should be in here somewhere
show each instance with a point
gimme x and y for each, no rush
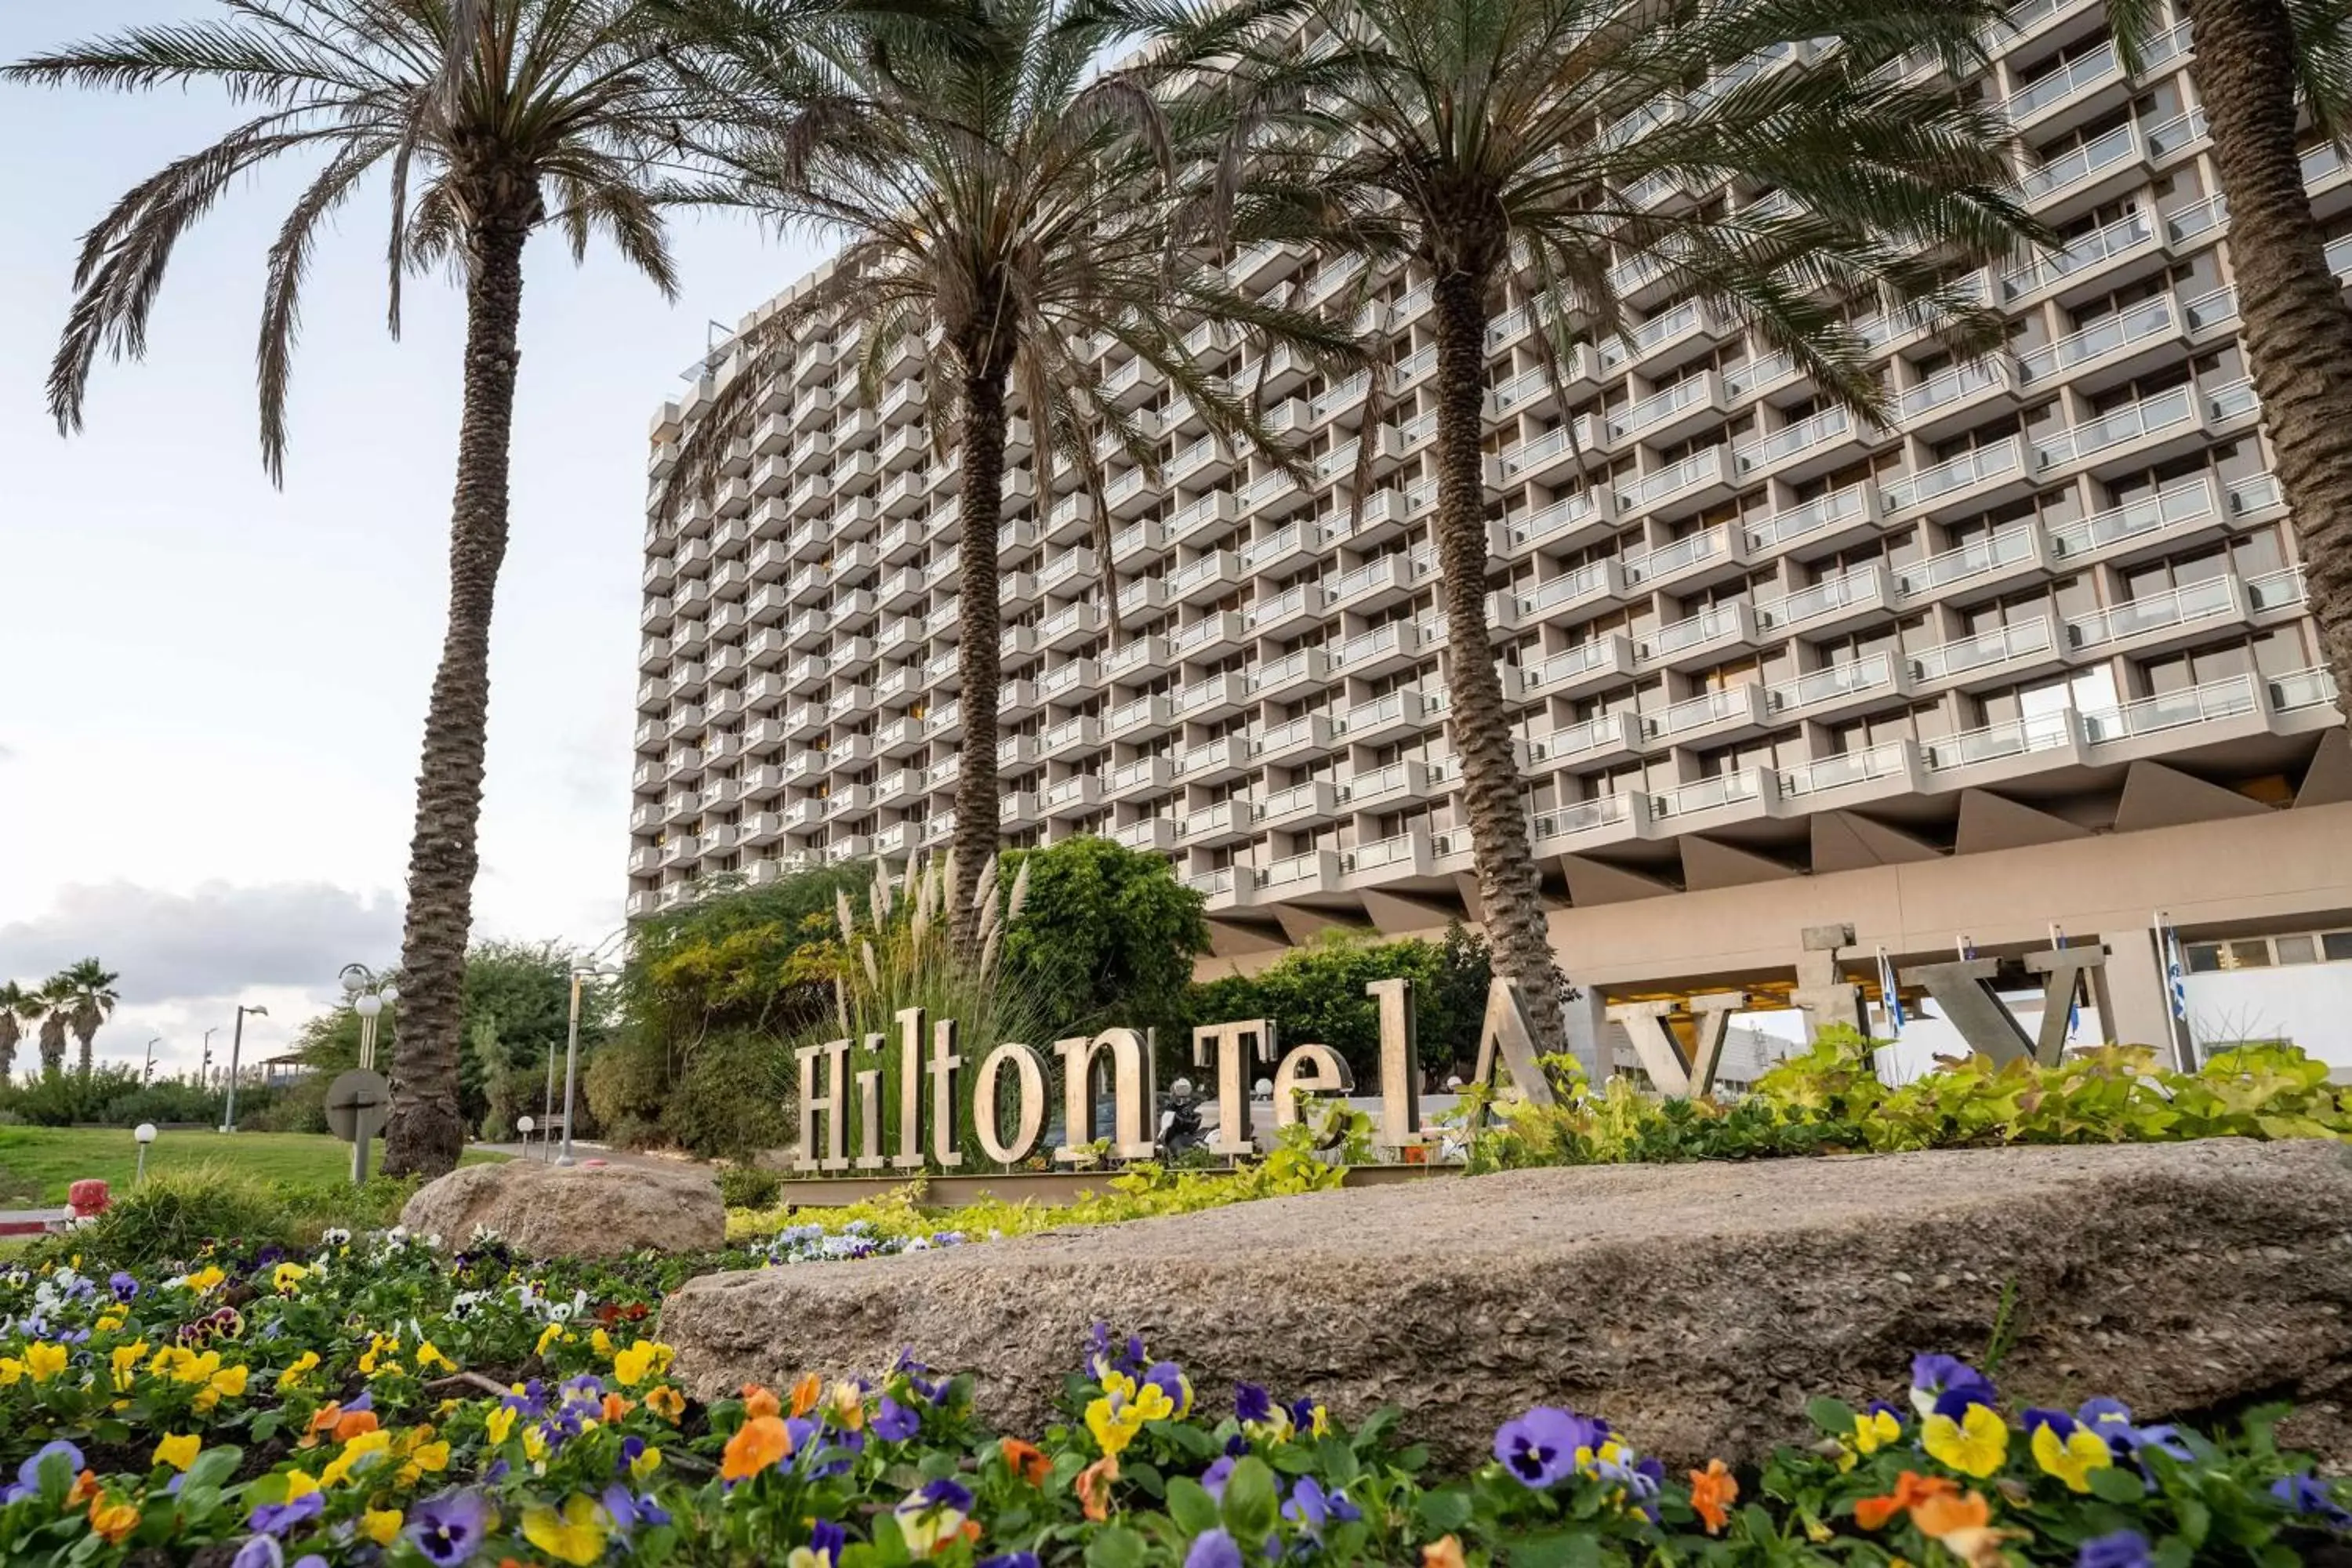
(211, 691)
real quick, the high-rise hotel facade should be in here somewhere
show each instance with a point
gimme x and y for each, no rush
(2036, 653)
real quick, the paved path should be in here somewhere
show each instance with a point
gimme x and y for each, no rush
(584, 1151)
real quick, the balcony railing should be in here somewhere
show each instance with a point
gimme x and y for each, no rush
(2188, 501)
(1839, 772)
(2222, 699)
(1987, 647)
(2014, 738)
(2213, 598)
(2001, 457)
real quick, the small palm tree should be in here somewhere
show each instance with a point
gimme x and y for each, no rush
(91, 985)
(53, 1005)
(17, 1007)
(491, 120)
(1491, 146)
(2260, 65)
(1001, 199)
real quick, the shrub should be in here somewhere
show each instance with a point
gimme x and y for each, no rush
(1317, 992)
(627, 1081)
(172, 1214)
(1105, 935)
(734, 1101)
(747, 1186)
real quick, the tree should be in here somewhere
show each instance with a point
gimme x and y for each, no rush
(1317, 992)
(494, 118)
(2260, 64)
(54, 1005)
(91, 985)
(1107, 935)
(998, 197)
(1490, 146)
(18, 1007)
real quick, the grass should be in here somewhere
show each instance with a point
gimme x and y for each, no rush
(47, 1160)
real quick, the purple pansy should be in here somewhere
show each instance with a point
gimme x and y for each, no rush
(893, 1422)
(1947, 1386)
(2311, 1496)
(261, 1551)
(1214, 1478)
(447, 1528)
(278, 1518)
(2122, 1548)
(29, 1474)
(826, 1538)
(1010, 1560)
(1252, 1403)
(124, 1287)
(1213, 1548)
(1539, 1448)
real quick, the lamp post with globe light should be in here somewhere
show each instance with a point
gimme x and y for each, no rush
(235, 1050)
(580, 974)
(370, 994)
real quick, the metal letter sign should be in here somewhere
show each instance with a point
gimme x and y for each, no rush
(1963, 989)
(1662, 1055)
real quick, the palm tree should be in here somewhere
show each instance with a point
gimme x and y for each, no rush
(1000, 198)
(492, 120)
(1490, 146)
(53, 1005)
(91, 985)
(17, 1007)
(2260, 65)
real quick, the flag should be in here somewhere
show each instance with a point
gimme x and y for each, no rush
(2074, 991)
(2176, 969)
(1889, 992)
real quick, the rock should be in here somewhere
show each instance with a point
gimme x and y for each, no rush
(1698, 1307)
(574, 1211)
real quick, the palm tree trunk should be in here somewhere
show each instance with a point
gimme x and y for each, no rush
(978, 660)
(1509, 890)
(85, 1037)
(2298, 331)
(426, 1131)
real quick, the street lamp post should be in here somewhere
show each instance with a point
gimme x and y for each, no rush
(147, 1072)
(145, 1133)
(235, 1050)
(205, 1068)
(371, 994)
(571, 1057)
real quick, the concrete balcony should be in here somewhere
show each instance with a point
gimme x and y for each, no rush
(900, 737)
(897, 788)
(1227, 822)
(2110, 349)
(1609, 738)
(1145, 778)
(1874, 677)
(1217, 697)
(2147, 526)
(1997, 752)
(1605, 662)
(1140, 720)
(1139, 542)
(2160, 621)
(1388, 718)
(1301, 670)
(1381, 786)
(1979, 478)
(2081, 178)
(1071, 682)
(805, 767)
(1981, 569)
(1290, 548)
(759, 827)
(1154, 834)
(1214, 761)
(1851, 598)
(1700, 639)
(1391, 859)
(1719, 715)
(1584, 824)
(1283, 614)
(1576, 595)
(1852, 778)
(1316, 871)
(1079, 795)
(1828, 521)
(1694, 560)
(1998, 657)
(1137, 660)
(1718, 802)
(1143, 601)
(2128, 438)
(1308, 735)
(1069, 738)
(1381, 651)
(1213, 576)
(1563, 525)
(2225, 712)
(1312, 804)
(1018, 699)
(1211, 636)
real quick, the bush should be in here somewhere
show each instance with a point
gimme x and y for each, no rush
(746, 1186)
(172, 1214)
(734, 1099)
(1317, 992)
(1105, 935)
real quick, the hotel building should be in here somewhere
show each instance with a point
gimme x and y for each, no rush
(2035, 654)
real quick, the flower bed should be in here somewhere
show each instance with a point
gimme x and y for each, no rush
(379, 1400)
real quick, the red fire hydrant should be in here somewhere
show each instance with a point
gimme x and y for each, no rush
(86, 1198)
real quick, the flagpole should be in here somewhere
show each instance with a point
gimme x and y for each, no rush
(2174, 964)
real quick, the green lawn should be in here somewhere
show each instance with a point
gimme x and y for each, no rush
(47, 1159)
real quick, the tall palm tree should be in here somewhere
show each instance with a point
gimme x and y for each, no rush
(17, 1007)
(1491, 146)
(998, 195)
(91, 985)
(490, 121)
(53, 1005)
(2260, 65)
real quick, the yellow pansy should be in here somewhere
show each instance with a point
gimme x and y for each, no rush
(551, 1335)
(431, 1458)
(847, 1405)
(304, 1365)
(205, 1279)
(630, 1367)
(501, 1423)
(356, 1455)
(645, 1463)
(12, 1371)
(1874, 1429)
(299, 1484)
(575, 1534)
(534, 1444)
(380, 1524)
(1975, 1444)
(44, 1361)
(2072, 1457)
(428, 1356)
(123, 1361)
(110, 1320)
(285, 1277)
(177, 1450)
(601, 1343)
(1318, 1423)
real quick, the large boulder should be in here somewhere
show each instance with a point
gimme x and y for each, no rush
(1696, 1306)
(573, 1211)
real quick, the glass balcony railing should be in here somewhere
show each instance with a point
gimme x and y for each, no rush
(2014, 738)
(1840, 771)
(2001, 458)
(2215, 598)
(1997, 646)
(1838, 681)
(2221, 699)
(2177, 505)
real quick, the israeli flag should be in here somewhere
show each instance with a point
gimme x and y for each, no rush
(1890, 993)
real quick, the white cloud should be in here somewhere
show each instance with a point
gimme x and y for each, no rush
(217, 940)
